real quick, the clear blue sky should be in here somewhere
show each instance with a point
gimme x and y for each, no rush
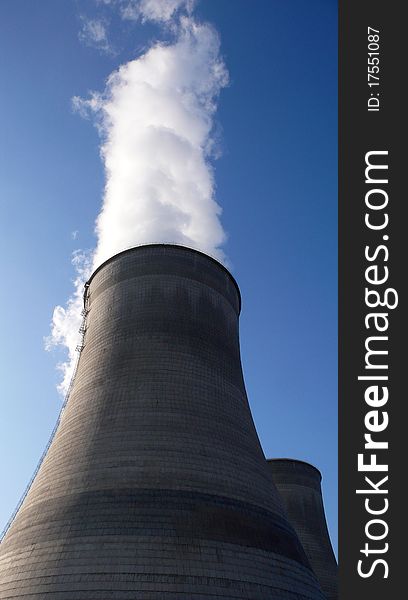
(276, 181)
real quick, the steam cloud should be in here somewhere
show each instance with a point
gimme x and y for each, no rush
(155, 119)
(160, 11)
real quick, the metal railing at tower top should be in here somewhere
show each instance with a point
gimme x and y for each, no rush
(79, 348)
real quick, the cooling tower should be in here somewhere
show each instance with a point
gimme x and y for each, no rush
(155, 486)
(299, 486)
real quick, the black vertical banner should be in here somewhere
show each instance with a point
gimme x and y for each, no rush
(373, 241)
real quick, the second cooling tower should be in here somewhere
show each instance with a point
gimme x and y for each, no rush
(299, 486)
(155, 485)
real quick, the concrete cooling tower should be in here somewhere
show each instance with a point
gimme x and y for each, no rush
(155, 486)
(299, 486)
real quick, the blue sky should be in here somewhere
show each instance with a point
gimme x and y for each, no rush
(276, 181)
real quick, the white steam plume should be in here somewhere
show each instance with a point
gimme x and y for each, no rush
(155, 119)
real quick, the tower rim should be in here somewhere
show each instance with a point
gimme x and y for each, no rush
(168, 245)
(296, 461)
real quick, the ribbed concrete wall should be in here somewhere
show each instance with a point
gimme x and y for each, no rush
(155, 486)
(299, 485)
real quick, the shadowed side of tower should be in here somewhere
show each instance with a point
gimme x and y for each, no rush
(155, 486)
(299, 486)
